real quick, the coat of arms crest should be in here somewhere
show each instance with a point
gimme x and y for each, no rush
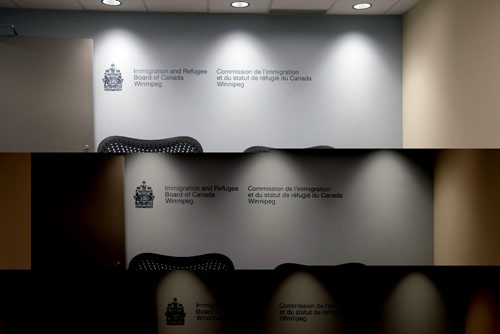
(113, 79)
(144, 196)
(175, 313)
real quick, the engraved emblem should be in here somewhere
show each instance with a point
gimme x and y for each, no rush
(144, 196)
(175, 314)
(112, 79)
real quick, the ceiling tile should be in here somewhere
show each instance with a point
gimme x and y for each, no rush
(7, 4)
(301, 4)
(402, 7)
(180, 6)
(224, 6)
(127, 5)
(336, 7)
(344, 7)
(49, 4)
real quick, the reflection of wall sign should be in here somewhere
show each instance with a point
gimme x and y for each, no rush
(175, 314)
(144, 196)
(112, 79)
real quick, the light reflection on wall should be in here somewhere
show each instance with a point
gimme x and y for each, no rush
(381, 170)
(396, 179)
(415, 306)
(356, 62)
(301, 288)
(483, 313)
(238, 50)
(121, 45)
(355, 57)
(127, 50)
(278, 168)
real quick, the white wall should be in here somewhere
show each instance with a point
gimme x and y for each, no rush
(385, 216)
(354, 98)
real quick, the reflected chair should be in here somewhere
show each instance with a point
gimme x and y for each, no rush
(293, 267)
(321, 147)
(257, 149)
(119, 144)
(265, 149)
(158, 262)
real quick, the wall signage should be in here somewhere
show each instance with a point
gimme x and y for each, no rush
(112, 79)
(157, 77)
(301, 312)
(144, 196)
(256, 195)
(209, 312)
(272, 195)
(175, 314)
(224, 78)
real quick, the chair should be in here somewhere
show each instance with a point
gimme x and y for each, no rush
(265, 149)
(321, 147)
(157, 262)
(293, 267)
(119, 144)
(257, 149)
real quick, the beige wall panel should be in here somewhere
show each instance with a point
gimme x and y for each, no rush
(466, 208)
(78, 211)
(46, 94)
(483, 313)
(15, 211)
(451, 75)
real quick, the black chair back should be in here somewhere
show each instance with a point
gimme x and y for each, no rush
(265, 149)
(119, 144)
(157, 262)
